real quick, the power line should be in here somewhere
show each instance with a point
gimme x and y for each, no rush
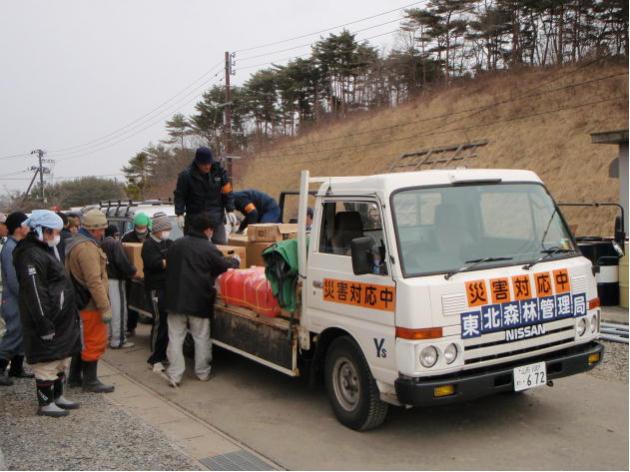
(135, 130)
(146, 115)
(283, 41)
(248, 58)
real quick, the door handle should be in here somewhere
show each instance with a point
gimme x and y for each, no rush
(318, 284)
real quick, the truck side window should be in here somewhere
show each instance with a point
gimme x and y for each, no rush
(342, 221)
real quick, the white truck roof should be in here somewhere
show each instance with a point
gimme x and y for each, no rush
(387, 183)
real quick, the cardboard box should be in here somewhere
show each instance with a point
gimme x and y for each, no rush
(238, 240)
(134, 254)
(239, 251)
(254, 253)
(271, 232)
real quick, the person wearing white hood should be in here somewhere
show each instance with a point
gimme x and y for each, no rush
(48, 312)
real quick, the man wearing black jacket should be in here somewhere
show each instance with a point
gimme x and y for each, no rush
(119, 271)
(192, 265)
(257, 207)
(205, 187)
(153, 254)
(48, 311)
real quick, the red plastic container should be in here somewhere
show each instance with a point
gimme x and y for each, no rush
(249, 288)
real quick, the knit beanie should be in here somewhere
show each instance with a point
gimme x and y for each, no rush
(111, 231)
(94, 219)
(161, 222)
(141, 219)
(15, 220)
(203, 155)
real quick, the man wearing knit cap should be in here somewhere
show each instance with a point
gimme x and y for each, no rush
(87, 263)
(205, 187)
(11, 349)
(48, 312)
(154, 252)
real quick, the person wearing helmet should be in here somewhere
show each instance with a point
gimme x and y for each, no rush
(48, 311)
(87, 264)
(141, 229)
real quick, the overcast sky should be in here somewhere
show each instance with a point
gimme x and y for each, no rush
(74, 72)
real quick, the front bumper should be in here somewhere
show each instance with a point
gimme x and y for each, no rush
(474, 384)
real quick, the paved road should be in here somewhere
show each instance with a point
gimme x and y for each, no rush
(581, 423)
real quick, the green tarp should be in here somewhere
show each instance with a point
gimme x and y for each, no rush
(281, 261)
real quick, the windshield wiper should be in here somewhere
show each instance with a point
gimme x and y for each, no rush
(471, 264)
(549, 253)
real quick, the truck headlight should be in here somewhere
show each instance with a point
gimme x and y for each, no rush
(428, 356)
(581, 326)
(594, 323)
(450, 353)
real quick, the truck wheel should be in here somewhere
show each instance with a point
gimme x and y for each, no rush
(351, 388)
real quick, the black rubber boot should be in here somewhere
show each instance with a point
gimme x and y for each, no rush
(17, 368)
(60, 400)
(74, 379)
(5, 381)
(47, 406)
(91, 383)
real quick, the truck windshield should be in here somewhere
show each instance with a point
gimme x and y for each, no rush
(452, 228)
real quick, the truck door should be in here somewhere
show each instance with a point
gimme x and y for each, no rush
(363, 305)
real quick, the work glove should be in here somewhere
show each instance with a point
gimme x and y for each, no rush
(106, 316)
(181, 221)
(232, 219)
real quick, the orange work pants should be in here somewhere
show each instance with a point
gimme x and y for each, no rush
(94, 336)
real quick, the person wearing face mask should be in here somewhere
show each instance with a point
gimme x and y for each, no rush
(119, 271)
(11, 347)
(153, 254)
(140, 232)
(48, 311)
(192, 265)
(87, 263)
(141, 229)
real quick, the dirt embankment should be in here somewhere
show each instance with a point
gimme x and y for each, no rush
(537, 119)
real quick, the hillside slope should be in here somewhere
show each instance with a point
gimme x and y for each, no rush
(538, 119)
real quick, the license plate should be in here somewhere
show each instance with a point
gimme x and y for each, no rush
(530, 376)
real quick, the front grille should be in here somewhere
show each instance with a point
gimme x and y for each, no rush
(515, 353)
(503, 341)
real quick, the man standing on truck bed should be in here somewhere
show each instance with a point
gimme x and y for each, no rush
(87, 263)
(192, 265)
(257, 207)
(204, 187)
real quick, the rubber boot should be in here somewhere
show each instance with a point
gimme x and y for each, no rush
(47, 406)
(5, 381)
(60, 400)
(74, 379)
(91, 383)
(17, 368)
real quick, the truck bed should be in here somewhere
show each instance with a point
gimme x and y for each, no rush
(269, 341)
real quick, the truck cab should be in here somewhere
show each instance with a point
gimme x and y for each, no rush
(430, 287)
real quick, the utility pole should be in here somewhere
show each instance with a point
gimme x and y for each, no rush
(228, 110)
(40, 155)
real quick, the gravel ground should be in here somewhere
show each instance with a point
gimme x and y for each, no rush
(98, 436)
(615, 363)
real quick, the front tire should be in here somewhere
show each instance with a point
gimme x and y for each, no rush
(352, 390)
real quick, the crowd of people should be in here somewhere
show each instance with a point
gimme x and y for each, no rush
(65, 279)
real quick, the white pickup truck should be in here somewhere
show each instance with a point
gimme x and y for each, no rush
(425, 288)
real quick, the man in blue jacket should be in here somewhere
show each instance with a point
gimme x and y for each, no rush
(257, 206)
(204, 187)
(11, 349)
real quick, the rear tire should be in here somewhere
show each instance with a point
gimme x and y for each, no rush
(352, 391)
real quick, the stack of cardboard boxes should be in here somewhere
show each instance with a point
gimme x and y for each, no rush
(260, 237)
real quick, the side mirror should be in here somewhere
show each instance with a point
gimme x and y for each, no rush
(620, 235)
(361, 252)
